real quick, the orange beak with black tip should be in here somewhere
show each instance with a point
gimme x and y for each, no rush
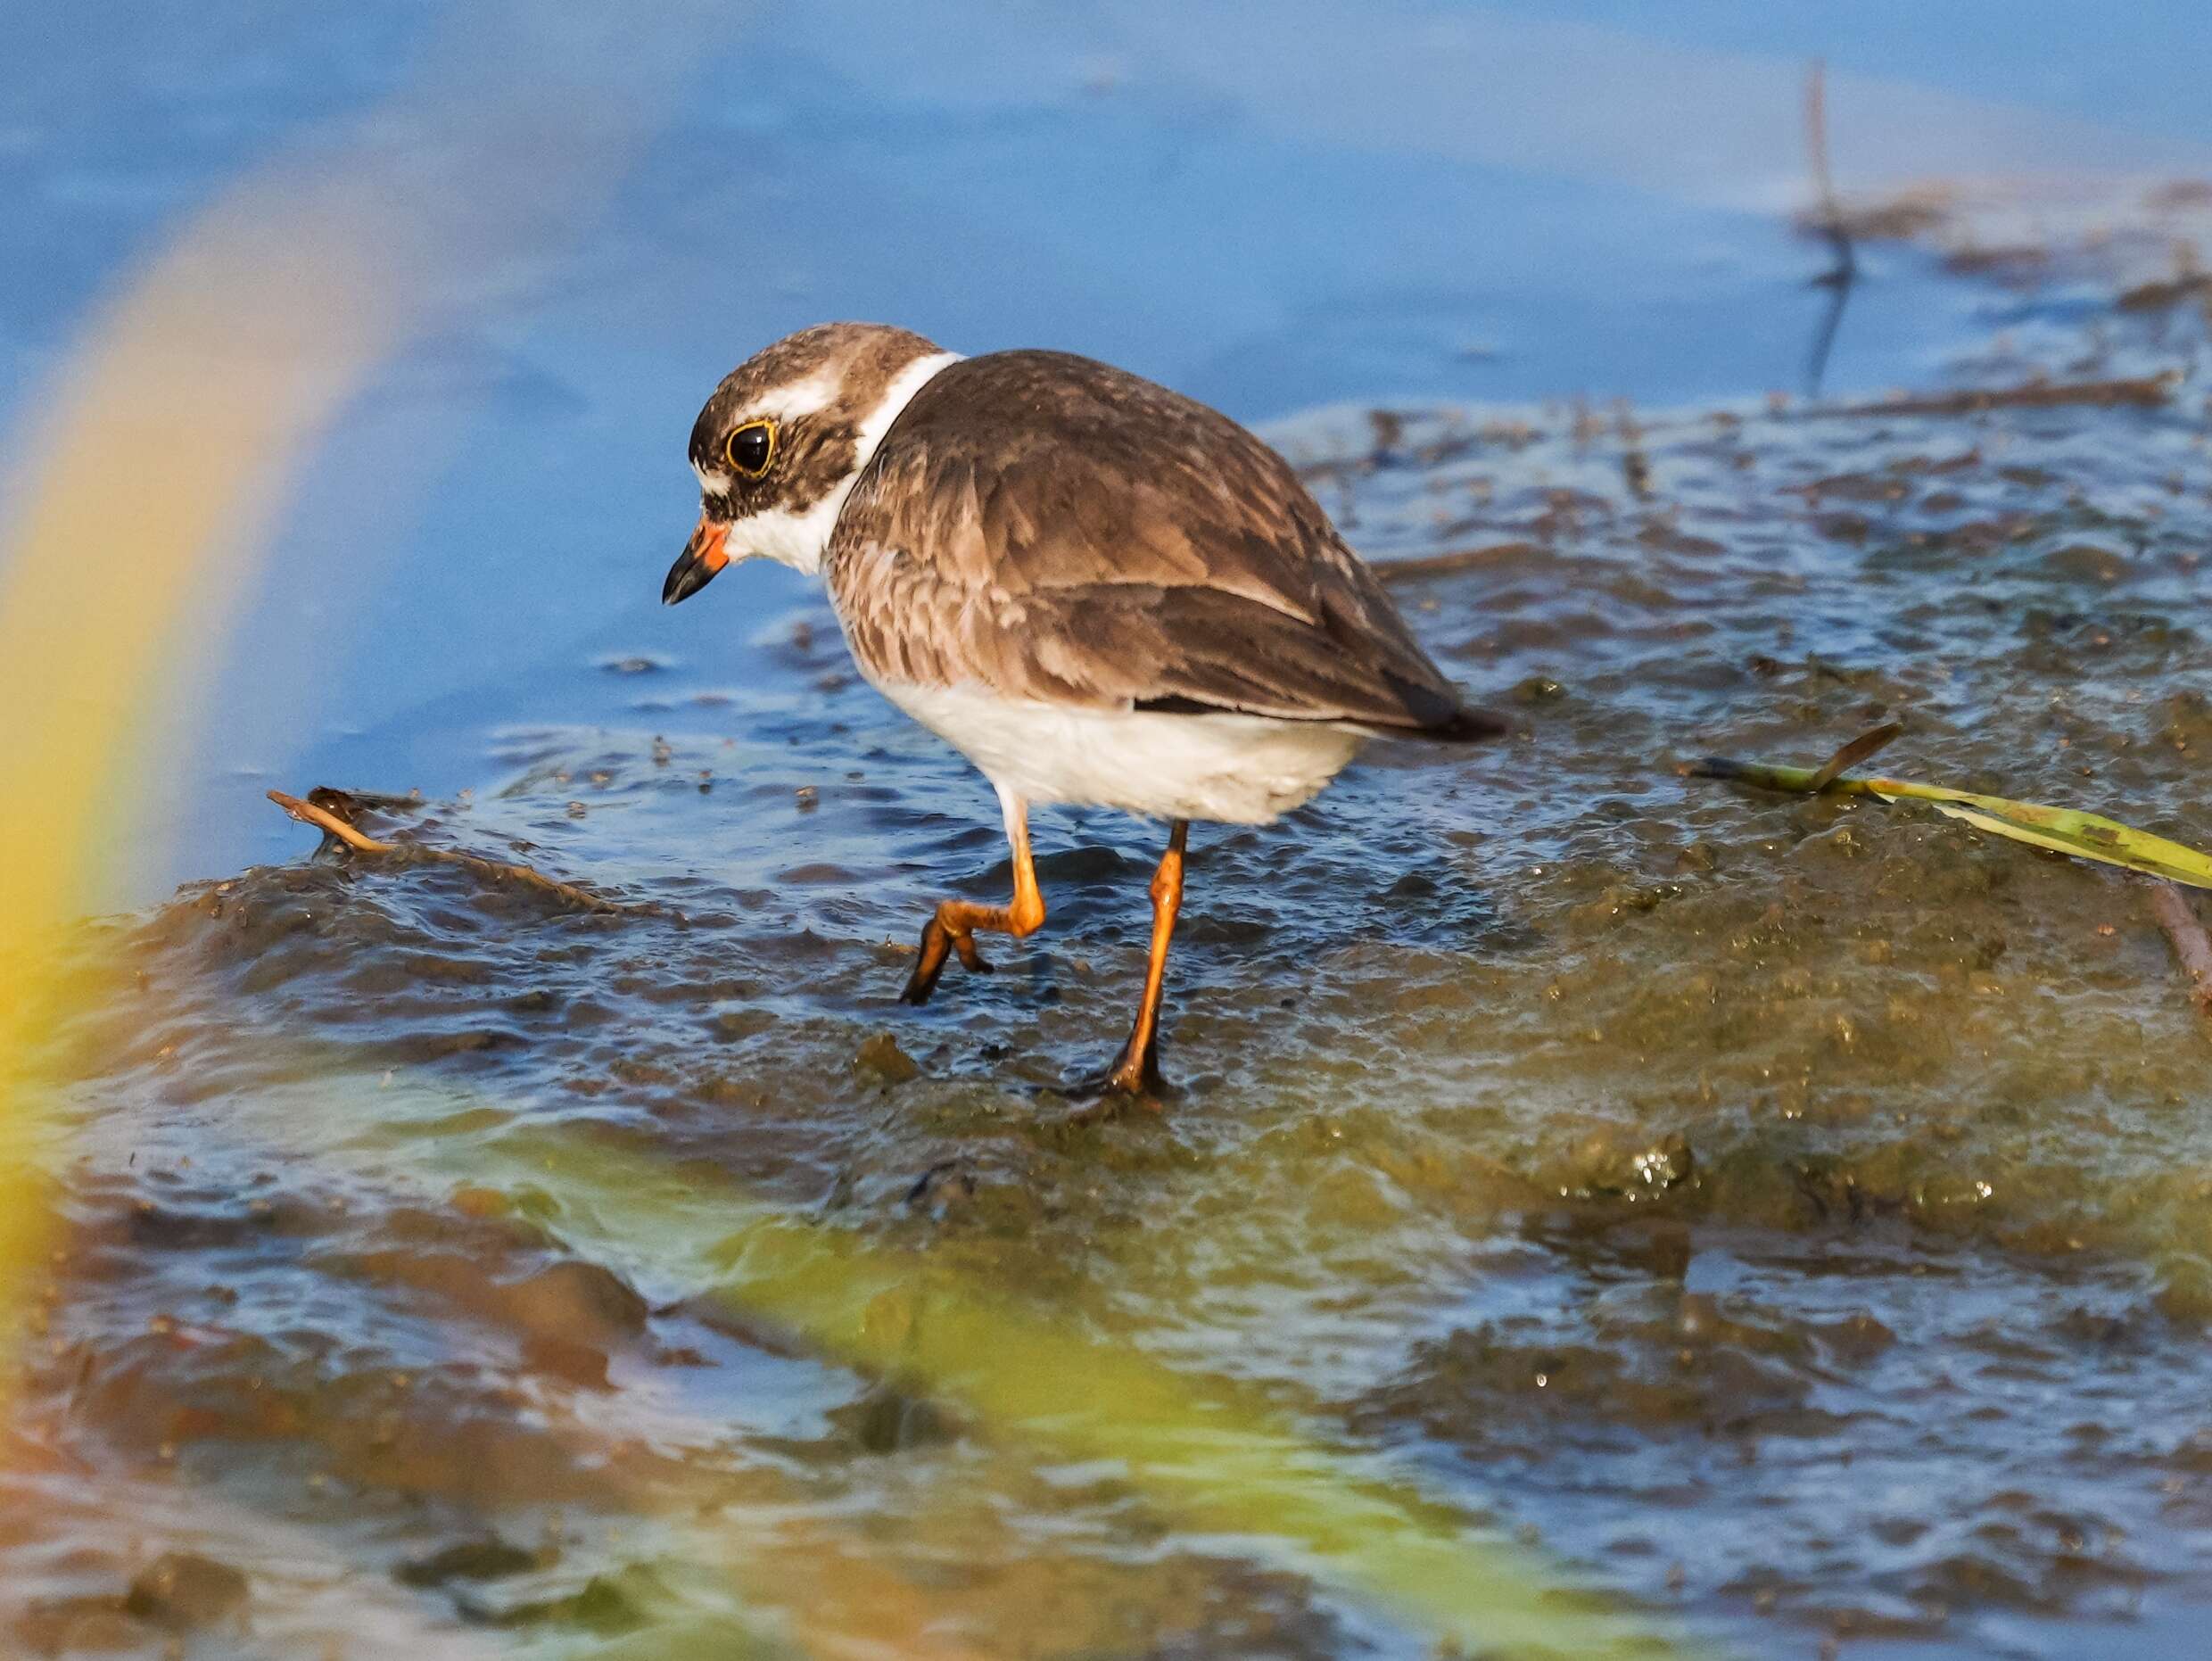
(703, 557)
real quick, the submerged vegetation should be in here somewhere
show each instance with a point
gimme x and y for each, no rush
(2060, 830)
(1599, 1214)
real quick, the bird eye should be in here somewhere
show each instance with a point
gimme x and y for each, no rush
(750, 448)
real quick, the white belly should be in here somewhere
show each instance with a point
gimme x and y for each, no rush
(1236, 769)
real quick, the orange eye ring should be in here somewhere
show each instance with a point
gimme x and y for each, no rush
(750, 450)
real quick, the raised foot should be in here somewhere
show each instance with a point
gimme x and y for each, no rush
(937, 944)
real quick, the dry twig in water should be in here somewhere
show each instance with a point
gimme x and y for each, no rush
(324, 820)
(2191, 946)
(2146, 391)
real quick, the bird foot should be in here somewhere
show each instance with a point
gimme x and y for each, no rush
(938, 943)
(1129, 1083)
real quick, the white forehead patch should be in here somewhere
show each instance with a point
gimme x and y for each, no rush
(804, 398)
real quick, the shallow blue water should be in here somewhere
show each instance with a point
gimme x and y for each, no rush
(1271, 208)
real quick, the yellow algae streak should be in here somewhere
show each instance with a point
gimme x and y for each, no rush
(154, 465)
(162, 452)
(1222, 1463)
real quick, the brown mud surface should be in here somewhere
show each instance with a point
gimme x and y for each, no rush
(1795, 1216)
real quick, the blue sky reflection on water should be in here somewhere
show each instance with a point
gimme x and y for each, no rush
(1271, 207)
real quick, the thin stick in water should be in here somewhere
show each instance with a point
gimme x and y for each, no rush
(2191, 946)
(1838, 278)
(322, 819)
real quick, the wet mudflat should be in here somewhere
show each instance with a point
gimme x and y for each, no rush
(1786, 1217)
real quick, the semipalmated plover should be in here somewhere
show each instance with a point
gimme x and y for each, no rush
(1099, 591)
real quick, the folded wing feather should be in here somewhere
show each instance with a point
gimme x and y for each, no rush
(1055, 529)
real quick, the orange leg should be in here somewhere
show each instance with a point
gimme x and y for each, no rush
(952, 927)
(1137, 1069)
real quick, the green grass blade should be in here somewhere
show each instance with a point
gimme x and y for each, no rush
(2060, 830)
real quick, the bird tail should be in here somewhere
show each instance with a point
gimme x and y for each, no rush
(1435, 711)
(1465, 724)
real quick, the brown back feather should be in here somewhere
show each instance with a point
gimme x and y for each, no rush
(1054, 528)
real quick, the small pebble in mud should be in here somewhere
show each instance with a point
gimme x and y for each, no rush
(475, 1202)
(577, 1301)
(1697, 856)
(582, 1364)
(888, 1420)
(471, 1560)
(182, 1589)
(882, 1057)
(1617, 1160)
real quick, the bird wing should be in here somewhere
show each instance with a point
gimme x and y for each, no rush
(1055, 529)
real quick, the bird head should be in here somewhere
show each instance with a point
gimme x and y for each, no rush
(779, 445)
